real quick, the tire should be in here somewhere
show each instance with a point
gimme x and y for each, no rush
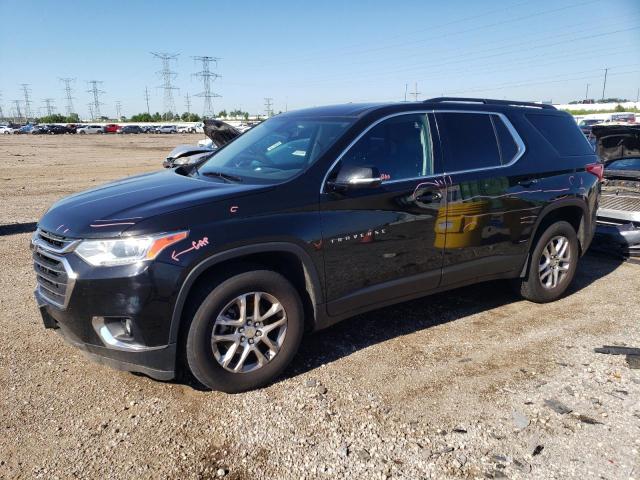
(205, 358)
(540, 286)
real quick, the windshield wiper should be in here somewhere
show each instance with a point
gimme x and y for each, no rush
(225, 176)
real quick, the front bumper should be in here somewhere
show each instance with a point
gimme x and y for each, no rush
(89, 306)
(157, 362)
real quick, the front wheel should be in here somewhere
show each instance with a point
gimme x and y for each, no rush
(245, 331)
(553, 264)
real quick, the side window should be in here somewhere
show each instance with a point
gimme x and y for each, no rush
(399, 147)
(468, 141)
(562, 133)
(506, 143)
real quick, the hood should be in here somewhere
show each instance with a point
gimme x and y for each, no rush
(109, 210)
(219, 132)
(615, 142)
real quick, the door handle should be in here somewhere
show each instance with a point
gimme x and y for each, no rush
(528, 182)
(430, 197)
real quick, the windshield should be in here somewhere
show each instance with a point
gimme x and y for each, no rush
(277, 149)
(587, 123)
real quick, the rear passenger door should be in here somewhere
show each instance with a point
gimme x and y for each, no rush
(489, 211)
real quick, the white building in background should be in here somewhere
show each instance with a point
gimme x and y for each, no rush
(597, 106)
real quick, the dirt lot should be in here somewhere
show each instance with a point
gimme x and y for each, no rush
(449, 386)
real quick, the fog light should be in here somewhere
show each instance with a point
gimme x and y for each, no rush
(127, 326)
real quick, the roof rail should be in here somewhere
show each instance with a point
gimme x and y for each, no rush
(488, 101)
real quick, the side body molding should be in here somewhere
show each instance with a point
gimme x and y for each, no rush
(312, 279)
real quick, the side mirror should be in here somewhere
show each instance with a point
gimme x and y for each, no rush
(350, 178)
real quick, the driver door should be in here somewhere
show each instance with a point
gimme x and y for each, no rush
(380, 240)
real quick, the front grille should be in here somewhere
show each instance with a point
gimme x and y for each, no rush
(55, 241)
(52, 277)
(627, 203)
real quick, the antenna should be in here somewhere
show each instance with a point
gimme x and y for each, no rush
(68, 94)
(27, 101)
(95, 91)
(268, 104)
(207, 77)
(167, 76)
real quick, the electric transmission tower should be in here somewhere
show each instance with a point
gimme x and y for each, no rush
(27, 100)
(207, 77)
(16, 105)
(187, 102)
(146, 98)
(49, 106)
(118, 109)
(68, 93)
(1, 112)
(90, 106)
(415, 92)
(95, 91)
(167, 76)
(268, 104)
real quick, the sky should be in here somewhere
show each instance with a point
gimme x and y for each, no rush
(303, 54)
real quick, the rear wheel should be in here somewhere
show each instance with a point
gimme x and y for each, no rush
(553, 264)
(245, 331)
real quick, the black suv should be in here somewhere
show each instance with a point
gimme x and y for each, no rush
(217, 268)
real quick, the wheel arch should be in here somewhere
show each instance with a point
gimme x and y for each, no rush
(288, 259)
(571, 210)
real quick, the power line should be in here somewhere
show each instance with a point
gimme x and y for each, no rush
(604, 84)
(207, 77)
(49, 106)
(167, 76)
(415, 92)
(268, 106)
(146, 98)
(187, 102)
(95, 92)
(27, 100)
(18, 113)
(68, 94)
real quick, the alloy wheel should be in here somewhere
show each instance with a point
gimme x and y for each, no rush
(249, 331)
(555, 262)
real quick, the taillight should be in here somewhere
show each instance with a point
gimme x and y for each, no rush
(596, 169)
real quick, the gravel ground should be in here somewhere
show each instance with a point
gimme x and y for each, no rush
(473, 383)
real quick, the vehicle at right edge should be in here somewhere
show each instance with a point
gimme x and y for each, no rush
(618, 232)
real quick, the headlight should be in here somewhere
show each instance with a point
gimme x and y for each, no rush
(124, 251)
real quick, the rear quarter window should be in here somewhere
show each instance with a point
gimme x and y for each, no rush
(562, 133)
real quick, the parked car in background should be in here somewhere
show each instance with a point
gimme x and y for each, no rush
(40, 130)
(130, 129)
(24, 129)
(218, 134)
(111, 128)
(90, 129)
(309, 218)
(6, 130)
(59, 129)
(618, 146)
(586, 123)
(168, 129)
(186, 129)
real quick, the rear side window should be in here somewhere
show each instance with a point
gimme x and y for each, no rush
(506, 142)
(562, 133)
(468, 141)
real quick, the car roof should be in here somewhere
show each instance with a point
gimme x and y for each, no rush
(356, 110)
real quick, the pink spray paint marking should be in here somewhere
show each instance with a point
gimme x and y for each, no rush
(195, 245)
